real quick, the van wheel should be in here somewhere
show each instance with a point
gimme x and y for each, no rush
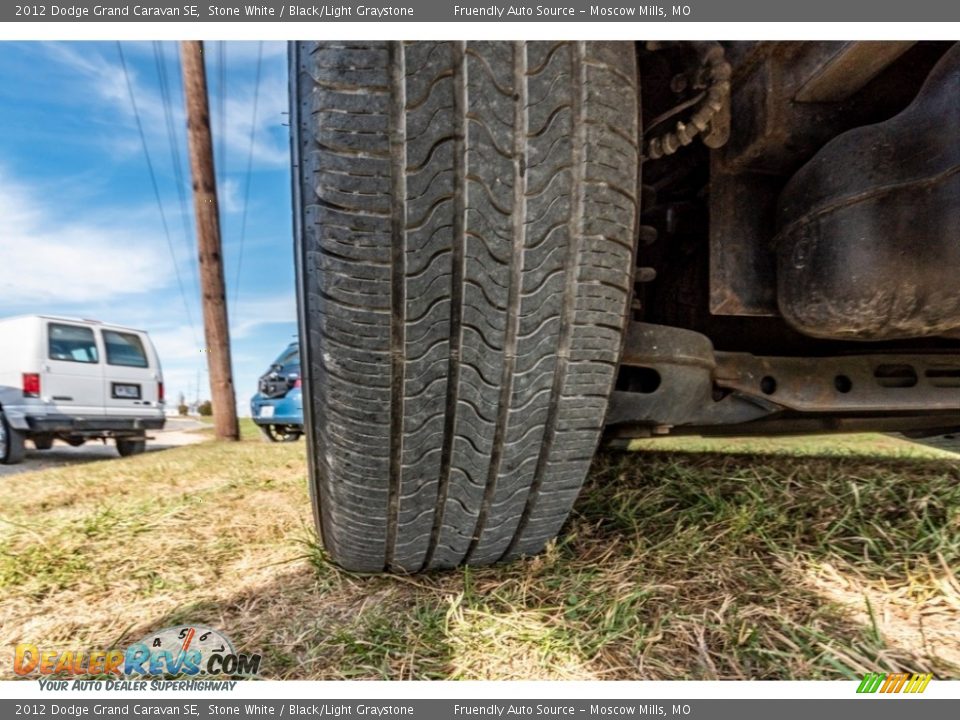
(465, 220)
(42, 442)
(126, 448)
(12, 447)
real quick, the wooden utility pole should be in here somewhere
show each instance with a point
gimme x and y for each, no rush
(215, 326)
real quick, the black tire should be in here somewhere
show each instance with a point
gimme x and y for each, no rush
(281, 433)
(465, 223)
(267, 433)
(42, 442)
(12, 446)
(126, 448)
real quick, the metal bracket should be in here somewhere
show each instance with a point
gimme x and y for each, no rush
(855, 383)
(670, 377)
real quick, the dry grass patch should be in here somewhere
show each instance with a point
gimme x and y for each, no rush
(818, 562)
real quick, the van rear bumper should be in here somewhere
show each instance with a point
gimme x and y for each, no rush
(68, 424)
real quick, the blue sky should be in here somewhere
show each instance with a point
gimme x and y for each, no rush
(80, 230)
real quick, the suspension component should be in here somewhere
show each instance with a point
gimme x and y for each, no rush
(711, 118)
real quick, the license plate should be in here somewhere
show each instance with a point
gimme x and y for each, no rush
(266, 411)
(126, 392)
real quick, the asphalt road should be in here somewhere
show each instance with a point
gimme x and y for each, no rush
(175, 434)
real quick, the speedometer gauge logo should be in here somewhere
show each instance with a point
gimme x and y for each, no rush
(189, 637)
(188, 650)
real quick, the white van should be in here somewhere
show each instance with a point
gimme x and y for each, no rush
(76, 380)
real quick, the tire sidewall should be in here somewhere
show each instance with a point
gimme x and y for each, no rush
(128, 448)
(267, 434)
(14, 447)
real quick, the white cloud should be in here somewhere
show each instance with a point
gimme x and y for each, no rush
(246, 50)
(229, 196)
(105, 78)
(252, 313)
(178, 343)
(48, 254)
(238, 112)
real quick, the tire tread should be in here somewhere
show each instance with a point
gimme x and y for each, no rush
(467, 214)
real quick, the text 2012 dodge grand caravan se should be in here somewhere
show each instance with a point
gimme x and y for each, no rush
(76, 380)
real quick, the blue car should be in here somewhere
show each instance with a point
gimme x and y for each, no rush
(277, 408)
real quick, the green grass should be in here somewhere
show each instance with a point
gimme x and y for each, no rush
(802, 558)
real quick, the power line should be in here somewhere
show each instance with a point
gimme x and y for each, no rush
(175, 154)
(156, 191)
(220, 161)
(246, 191)
(221, 111)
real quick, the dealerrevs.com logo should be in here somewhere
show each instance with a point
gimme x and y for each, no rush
(190, 650)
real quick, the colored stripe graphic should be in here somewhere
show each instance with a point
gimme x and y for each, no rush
(894, 683)
(901, 679)
(871, 682)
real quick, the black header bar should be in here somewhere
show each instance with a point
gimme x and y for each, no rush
(259, 11)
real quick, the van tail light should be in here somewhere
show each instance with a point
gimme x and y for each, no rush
(31, 385)
(298, 383)
(159, 392)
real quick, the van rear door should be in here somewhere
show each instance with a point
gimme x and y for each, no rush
(131, 374)
(72, 372)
